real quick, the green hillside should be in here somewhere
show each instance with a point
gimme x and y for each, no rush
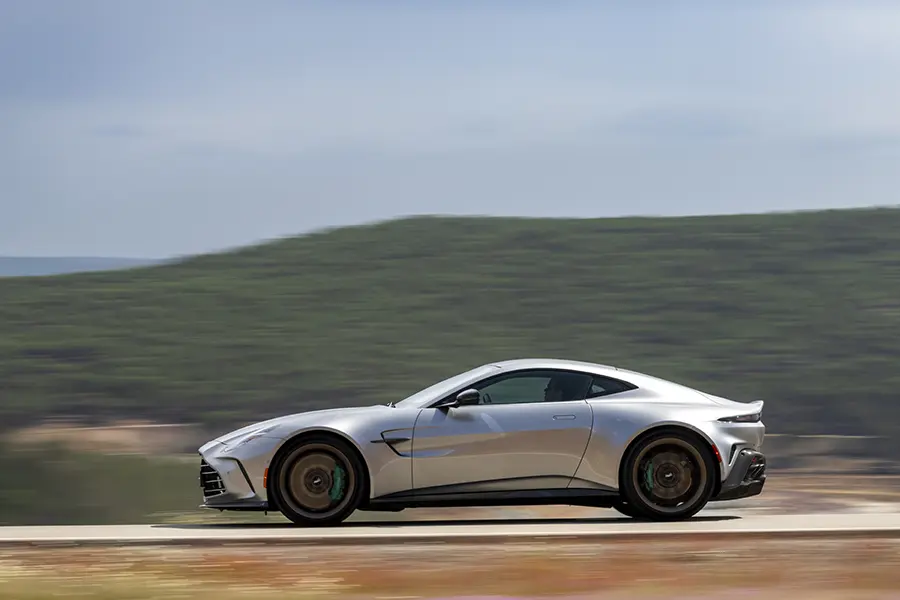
(801, 310)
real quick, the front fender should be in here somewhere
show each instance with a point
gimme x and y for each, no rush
(388, 471)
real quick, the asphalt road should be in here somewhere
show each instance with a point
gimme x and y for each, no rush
(720, 524)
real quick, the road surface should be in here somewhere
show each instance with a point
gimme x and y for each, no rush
(720, 524)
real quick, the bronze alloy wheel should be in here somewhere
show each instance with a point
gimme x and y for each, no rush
(318, 483)
(670, 477)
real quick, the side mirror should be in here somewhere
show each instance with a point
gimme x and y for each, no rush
(470, 396)
(466, 397)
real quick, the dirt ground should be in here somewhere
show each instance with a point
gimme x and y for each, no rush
(698, 570)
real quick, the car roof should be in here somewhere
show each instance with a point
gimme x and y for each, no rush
(553, 363)
(643, 380)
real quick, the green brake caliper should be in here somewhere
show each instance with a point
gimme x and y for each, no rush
(648, 475)
(337, 488)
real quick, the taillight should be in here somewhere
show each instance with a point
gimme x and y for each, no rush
(754, 418)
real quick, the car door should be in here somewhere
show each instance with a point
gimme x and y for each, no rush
(516, 438)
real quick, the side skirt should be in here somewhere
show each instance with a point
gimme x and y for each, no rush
(542, 497)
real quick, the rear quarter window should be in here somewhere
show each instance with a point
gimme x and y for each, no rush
(606, 386)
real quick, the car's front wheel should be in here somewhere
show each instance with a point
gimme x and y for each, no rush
(318, 481)
(668, 476)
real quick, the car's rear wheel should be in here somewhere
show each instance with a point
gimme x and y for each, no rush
(668, 476)
(627, 510)
(318, 481)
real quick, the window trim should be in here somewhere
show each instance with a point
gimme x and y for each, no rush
(629, 387)
(490, 379)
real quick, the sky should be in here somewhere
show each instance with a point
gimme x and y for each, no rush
(175, 127)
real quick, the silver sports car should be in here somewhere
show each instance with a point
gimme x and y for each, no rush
(535, 431)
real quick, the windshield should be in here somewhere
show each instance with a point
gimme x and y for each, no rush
(446, 386)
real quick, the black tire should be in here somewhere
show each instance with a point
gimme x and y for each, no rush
(318, 481)
(668, 476)
(627, 510)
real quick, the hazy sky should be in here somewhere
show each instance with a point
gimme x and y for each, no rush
(153, 129)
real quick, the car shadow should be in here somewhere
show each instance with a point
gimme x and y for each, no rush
(439, 523)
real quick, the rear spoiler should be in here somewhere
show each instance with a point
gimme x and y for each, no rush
(752, 415)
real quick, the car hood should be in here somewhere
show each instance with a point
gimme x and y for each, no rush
(287, 424)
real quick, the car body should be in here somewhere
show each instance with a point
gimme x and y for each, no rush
(504, 443)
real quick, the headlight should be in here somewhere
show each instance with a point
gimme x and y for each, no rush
(255, 434)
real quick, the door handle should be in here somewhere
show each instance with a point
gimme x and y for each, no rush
(563, 417)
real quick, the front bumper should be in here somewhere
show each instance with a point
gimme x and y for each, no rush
(232, 476)
(226, 486)
(747, 477)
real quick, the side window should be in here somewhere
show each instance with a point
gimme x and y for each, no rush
(535, 386)
(604, 386)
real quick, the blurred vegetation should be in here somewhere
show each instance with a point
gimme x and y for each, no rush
(96, 488)
(801, 310)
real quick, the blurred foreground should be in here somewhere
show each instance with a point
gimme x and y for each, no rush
(698, 570)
